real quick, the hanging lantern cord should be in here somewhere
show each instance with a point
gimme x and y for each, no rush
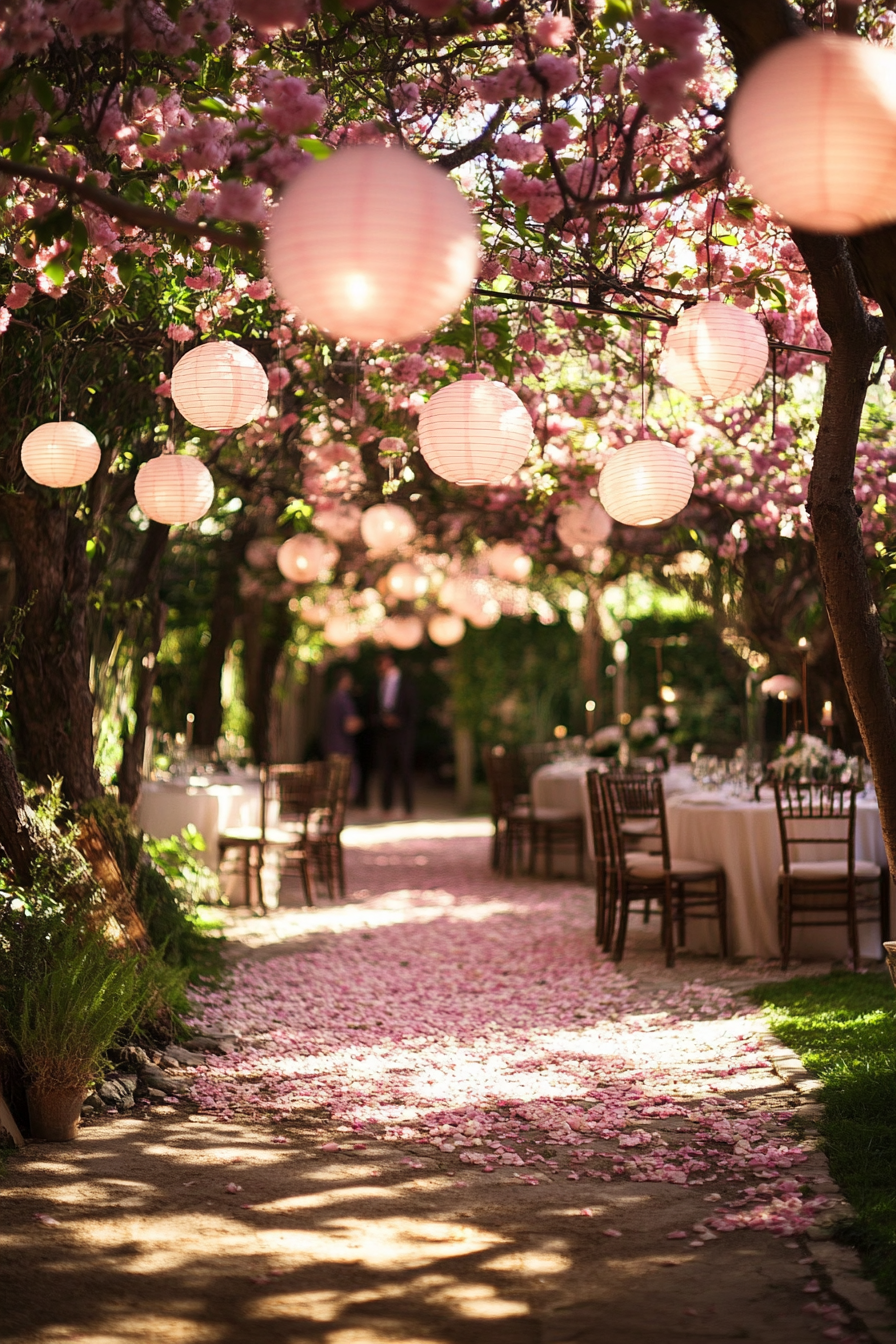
(475, 335)
(643, 386)
(774, 393)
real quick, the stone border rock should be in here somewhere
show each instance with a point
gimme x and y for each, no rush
(841, 1264)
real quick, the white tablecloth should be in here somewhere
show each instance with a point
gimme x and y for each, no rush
(743, 836)
(563, 784)
(212, 803)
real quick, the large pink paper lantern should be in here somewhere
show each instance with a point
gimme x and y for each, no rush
(583, 525)
(174, 488)
(507, 560)
(402, 632)
(373, 244)
(407, 581)
(387, 527)
(304, 557)
(219, 385)
(716, 351)
(475, 432)
(813, 132)
(446, 628)
(60, 454)
(645, 483)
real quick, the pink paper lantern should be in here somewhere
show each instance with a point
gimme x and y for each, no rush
(219, 385)
(583, 525)
(813, 132)
(646, 483)
(387, 527)
(304, 557)
(402, 632)
(60, 454)
(407, 581)
(475, 432)
(446, 628)
(507, 560)
(174, 488)
(373, 244)
(341, 631)
(716, 351)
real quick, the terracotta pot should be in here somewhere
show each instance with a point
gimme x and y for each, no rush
(55, 1115)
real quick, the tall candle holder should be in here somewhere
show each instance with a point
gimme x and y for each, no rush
(827, 721)
(804, 659)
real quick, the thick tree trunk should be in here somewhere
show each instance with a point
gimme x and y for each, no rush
(15, 833)
(225, 607)
(52, 702)
(132, 747)
(265, 631)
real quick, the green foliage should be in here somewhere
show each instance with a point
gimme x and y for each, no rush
(843, 1026)
(168, 881)
(64, 996)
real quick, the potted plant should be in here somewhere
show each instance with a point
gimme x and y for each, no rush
(62, 1019)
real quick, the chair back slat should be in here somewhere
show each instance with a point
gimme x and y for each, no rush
(300, 789)
(632, 796)
(806, 807)
(503, 772)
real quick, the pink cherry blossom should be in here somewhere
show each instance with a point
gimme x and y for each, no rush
(554, 30)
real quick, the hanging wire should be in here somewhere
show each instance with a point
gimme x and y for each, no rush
(774, 395)
(643, 386)
(475, 335)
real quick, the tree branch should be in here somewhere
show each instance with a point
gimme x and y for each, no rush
(141, 216)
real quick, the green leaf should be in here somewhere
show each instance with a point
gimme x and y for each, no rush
(43, 91)
(316, 148)
(617, 13)
(57, 269)
(54, 225)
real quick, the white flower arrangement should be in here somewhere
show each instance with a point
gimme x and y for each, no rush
(806, 757)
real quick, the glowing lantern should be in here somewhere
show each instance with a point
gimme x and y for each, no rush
(646, 482)
(406, 581)
(60, 454)
(341, 631)
(509, 561)
(813, 131)
(583, 526)
(373, 244)
(484, 614)
(715, 352)
(339, 522)
(387, 527)
(446, 628)
(782, 687)
(303, 557)
(174, 488)
(475, 432)
(219, 385)
(403, 632)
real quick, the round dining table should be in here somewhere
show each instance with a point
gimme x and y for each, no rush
(742, 835)
(213, 804)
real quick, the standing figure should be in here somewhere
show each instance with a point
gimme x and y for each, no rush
(341, 725)
(396, 721)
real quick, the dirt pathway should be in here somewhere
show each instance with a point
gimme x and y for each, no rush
(447, 1120)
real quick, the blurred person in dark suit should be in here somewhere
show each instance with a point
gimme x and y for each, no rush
(396, 721)
(342, 723)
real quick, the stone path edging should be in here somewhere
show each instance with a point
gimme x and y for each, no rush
(841, 1264)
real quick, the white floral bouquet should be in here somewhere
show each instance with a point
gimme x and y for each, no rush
(806, 757)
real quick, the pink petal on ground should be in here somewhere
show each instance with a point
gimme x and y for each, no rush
(330, 1148)
(813, 1286)
(233, 1189)
(611, 1232)
(46, 1220)
(676, 1236)
(586, 1213)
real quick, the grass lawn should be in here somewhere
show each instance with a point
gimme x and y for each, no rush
(843, 1027)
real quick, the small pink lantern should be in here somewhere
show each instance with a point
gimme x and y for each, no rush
(387, 527)
(341, 631)
(339, 522)
(475, 432)
(219, 385)
(813, 132)
(174, 488)
(60, 454)
(402, 632)
(507, 560)
(646, 483)
(373, 244)
(407, 581)
(304, 557)
(446, 628)
(716, 351)
(583, 525)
